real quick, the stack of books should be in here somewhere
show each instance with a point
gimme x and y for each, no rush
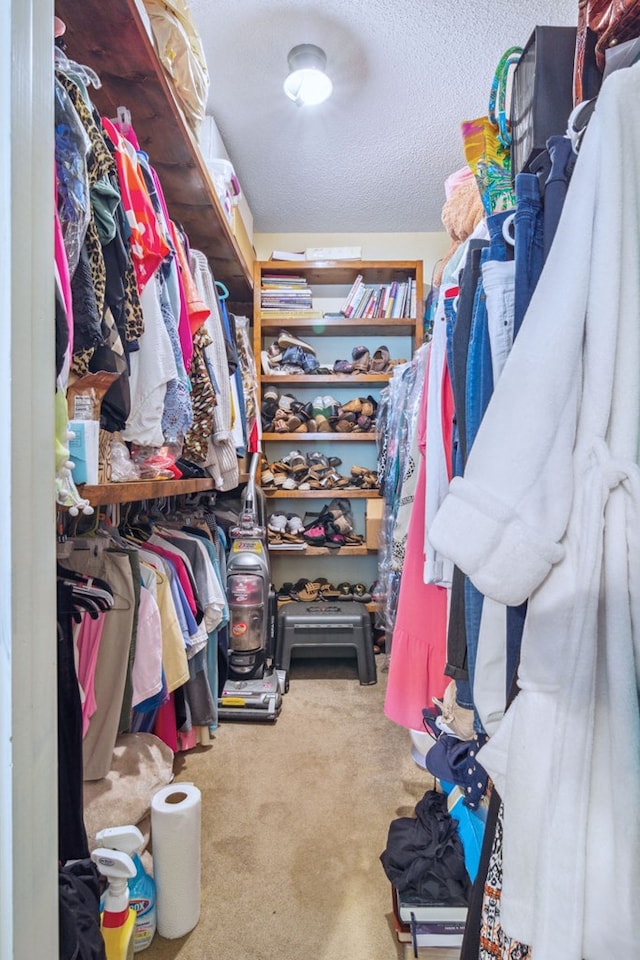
(436, 926)
(286, 296)
(390, 301)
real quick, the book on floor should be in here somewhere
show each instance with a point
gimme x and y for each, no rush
(434, 912)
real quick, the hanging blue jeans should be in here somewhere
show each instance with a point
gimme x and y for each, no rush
(529, 242)
(479, 387)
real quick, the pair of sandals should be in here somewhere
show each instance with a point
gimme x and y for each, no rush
(307, 591)
(285, 528)
(379, 362)
(355, 591)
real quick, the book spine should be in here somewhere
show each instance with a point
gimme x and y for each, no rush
(355, 303)
(350, 296)
(392, 296)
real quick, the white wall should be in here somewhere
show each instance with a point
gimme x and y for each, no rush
(28, 743)
(428, 247)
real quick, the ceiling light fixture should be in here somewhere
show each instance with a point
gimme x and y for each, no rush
(307, 83)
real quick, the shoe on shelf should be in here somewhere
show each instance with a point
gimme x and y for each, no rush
(361, 593)
(277, 522)
(361, 359)
(380, 360)
(316, 535)
(342, 366)
(286, 339)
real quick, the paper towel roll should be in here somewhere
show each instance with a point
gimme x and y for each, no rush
(175, 835)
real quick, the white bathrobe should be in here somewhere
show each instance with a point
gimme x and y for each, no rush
(549, 508)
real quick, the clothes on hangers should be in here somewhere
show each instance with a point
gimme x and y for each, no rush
(552, 517)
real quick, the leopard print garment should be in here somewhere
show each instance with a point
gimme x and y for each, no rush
(203, 401)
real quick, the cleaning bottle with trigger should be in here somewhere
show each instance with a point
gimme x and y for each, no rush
(117, 919)
(142, 889)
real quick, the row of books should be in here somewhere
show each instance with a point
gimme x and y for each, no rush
(388, 300)
(428, 924)
(283, 293)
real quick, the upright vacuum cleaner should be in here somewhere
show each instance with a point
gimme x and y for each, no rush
(254, 687)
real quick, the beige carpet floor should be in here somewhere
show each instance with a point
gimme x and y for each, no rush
(294, 817)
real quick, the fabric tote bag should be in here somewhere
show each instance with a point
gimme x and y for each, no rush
(487, 140)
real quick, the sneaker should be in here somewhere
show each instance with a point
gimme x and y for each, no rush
(277, 522)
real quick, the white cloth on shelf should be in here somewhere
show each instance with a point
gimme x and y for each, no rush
(549, 508)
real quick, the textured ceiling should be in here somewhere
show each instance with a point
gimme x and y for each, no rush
(374, 157)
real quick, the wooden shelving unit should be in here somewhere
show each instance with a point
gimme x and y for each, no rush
(132, 76)
(330, 281)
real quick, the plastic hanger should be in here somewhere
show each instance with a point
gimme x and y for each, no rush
(578, 122)
(88, 76)
(508, 230)
(221, 287)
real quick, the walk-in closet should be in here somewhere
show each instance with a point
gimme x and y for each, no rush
(319, 628)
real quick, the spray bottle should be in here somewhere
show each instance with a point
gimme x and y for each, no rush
(118, 919)
(142, 889)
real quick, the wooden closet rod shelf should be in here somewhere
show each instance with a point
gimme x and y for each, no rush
(112, 39)
(320, 437)
(105, 493)
(337, 379)
(346, 493)
(339, 327)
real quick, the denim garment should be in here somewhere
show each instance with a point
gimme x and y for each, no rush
(460, 339)
(450, 306)
(529, 242)
(563, 160)
(498, 280)
(479, 387)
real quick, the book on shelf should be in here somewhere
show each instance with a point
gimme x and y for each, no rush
(355, 286)
(352, 309)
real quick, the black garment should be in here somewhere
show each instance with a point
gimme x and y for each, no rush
(79, 912)
(471, 941)
(456, 665)
(72, 837)
(424, 858)
(87, 332)
(563, 160)
(62, 331)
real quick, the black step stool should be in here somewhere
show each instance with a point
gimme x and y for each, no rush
(328, 630)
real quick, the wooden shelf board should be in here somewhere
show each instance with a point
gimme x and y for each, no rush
(334, 378)
(342, 271)
(105, 493)
(324, 552)
(132, 76)
(319, 326)
(329, 494)
(320, 437)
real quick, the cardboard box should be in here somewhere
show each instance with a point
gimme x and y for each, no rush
(373, 522)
